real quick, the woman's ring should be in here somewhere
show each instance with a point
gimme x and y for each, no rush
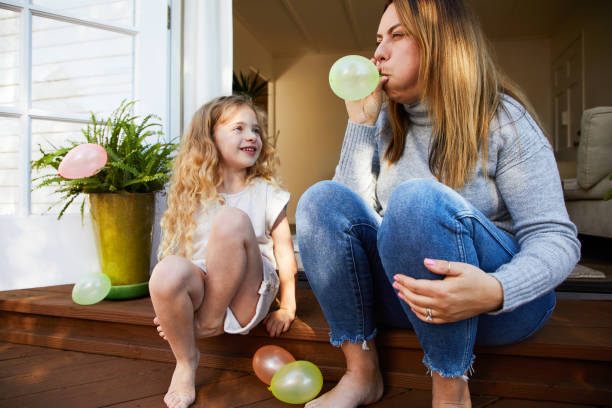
(429, 316)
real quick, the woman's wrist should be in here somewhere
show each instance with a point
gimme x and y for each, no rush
(496, 294)
(363, 121)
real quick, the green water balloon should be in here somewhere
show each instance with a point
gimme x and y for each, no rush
(91, 289)
(353, 77)
(297, 382)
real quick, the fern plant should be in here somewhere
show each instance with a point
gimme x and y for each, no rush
(135, 165)
(250, 85)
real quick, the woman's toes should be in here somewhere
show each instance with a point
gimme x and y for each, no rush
(156, 321)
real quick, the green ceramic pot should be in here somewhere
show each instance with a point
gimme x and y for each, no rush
(123, 227)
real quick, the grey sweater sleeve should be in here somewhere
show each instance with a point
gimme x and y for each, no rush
(357, 167)
(528, 180)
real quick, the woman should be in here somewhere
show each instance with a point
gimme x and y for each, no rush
(445, 214)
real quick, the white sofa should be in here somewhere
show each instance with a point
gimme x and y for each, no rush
(584, 194)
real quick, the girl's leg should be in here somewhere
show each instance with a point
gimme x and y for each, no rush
(177, 289)
(336, 232)
(234, 272)
(427, 219)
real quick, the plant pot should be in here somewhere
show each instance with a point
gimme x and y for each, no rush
(123, 228)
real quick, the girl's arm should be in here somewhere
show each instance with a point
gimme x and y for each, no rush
(280, 320)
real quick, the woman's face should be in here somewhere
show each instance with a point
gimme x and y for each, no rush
(397, 57)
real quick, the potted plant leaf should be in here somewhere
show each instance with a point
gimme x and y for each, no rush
(121, 194)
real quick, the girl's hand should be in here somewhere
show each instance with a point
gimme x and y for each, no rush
(466, 291)
(365, 111)
(278, 322)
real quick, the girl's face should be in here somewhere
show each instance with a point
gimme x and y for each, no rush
(397, 57)
(238, 138)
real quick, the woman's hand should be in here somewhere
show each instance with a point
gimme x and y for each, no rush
(278, 322)
(365, 111)
(466, 291)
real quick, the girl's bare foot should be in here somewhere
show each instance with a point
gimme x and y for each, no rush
(354, 388)
(200, 332)
(159, 328)
(181, 393)
(450, 392)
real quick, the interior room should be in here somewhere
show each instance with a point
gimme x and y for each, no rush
(95, 98)
(556, 51)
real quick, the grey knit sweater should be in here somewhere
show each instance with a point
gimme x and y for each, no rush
(522, 192)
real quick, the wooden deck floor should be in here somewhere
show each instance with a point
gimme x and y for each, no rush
(32, 376)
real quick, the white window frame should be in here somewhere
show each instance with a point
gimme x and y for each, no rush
(18, 231)
(146, 36)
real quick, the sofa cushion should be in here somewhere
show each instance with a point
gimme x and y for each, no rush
(573, 191)
(595, 148)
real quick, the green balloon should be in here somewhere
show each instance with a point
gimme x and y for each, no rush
(91, 289)
(353, 77)
(297, 382)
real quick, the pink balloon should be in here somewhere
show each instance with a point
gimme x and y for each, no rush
(83, 161)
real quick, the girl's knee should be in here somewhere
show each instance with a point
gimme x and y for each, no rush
(231, 224)
(169, 276)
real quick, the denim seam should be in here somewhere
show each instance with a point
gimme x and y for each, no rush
(458, 237)
(362, 329)
(468, 354)
(468, 214)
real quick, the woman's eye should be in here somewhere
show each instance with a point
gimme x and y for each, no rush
(397, 35)
(238, 128)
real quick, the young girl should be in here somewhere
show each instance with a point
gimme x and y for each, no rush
(224, 232)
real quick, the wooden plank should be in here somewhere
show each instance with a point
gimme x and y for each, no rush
(45, 376)
(422, 399)
(233, 392)
(143, 381)
(45, 362)
(515, 403)
(559, 338)
(10, 351)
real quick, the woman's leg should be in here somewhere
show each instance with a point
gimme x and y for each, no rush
(337, 239)
(234, 272)
(427, 219)
(177, 290)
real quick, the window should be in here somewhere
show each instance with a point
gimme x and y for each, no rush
(61, 59)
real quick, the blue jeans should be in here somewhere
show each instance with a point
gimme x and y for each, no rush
(350, 255)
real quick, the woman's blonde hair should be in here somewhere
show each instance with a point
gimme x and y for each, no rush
(196, 173)
(461, 87)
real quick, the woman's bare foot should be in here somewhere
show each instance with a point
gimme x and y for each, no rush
(354, 388)
(450, 392)
(181, 393)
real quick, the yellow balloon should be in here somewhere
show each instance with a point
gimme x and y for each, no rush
(297, 382)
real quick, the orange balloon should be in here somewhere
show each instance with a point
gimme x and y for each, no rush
(268, 360)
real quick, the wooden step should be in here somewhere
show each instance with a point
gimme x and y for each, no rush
(569, 360)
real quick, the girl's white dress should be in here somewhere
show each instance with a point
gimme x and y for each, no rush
(263, 203)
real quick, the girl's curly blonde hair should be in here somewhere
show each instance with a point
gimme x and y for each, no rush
(196, 174)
